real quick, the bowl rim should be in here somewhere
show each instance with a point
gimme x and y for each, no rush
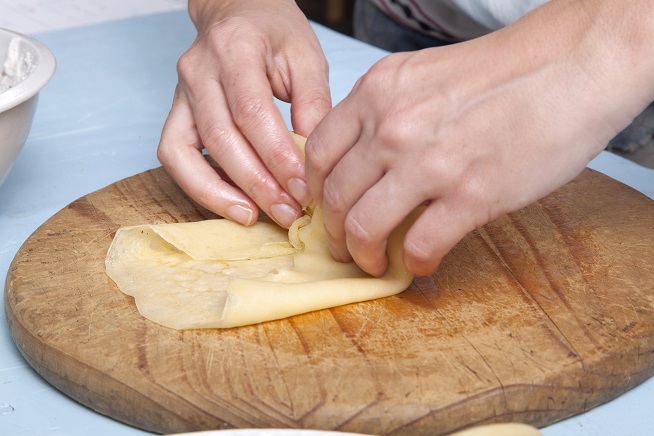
(32, 84)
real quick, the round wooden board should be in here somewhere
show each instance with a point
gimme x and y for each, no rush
(537, 316)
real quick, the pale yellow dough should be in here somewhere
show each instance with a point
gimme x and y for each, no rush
(216, 274)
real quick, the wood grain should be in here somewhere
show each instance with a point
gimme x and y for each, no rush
(540, 315)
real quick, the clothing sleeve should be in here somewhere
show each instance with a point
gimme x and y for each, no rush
(496, 14)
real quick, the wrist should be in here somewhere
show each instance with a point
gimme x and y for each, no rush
(195, 8)
(204, 13)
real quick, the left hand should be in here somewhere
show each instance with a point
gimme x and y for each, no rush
(246, 53)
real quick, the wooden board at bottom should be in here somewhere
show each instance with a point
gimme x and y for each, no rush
(537, 316)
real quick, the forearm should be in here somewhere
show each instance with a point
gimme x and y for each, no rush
(609, 43)
(622, 34)
(593, 58)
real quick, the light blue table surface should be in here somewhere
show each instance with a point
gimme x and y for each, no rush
(99, 121)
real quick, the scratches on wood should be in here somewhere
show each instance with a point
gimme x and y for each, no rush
(537, 316)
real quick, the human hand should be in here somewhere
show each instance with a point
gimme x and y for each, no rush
(472, 131)
(246, 53)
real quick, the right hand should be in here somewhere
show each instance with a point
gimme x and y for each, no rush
(246, 53)
(475, 130)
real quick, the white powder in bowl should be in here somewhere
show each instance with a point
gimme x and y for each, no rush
(18, 65)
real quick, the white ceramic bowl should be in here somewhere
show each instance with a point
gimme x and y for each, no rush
(18, 103)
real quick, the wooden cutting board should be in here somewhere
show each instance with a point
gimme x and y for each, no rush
(538, 316)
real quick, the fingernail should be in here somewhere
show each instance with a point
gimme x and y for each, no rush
(284, 214)
(299, 190)
(240, 214)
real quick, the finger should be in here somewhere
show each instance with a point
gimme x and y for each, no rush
(355, 173)
(441, 226)
(250, 98)
(229, 147)
(337, 133)
(377, 213)
(325, 147)
(310, 96)
(180, 153)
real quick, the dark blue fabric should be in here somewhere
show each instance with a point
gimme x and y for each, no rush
(373, 26)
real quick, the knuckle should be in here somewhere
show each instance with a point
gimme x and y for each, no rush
(258, 185)
(473, 193)
(443, 174)
(275, 158)
(315, 154)
(204, 199)
(214, 137)
(393, 133)
(185, 64)
(472, 189)
(358, 233)
(190, 70)
(231, 38)
(318, 100)
(247, 110)
(333, 198)
(174, 144)
(376, 79)
(164, 154)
